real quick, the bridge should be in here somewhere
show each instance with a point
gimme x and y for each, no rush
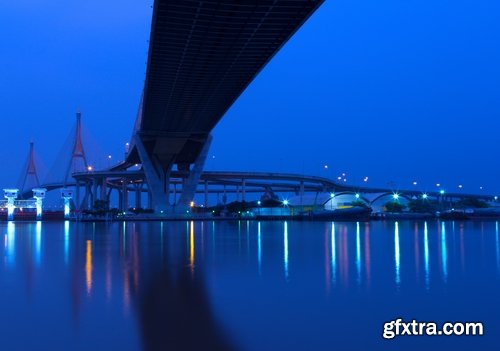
(202, 56)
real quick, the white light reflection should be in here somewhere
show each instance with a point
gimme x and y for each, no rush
(285, 246)
(10, 244)
(259, 249)
(66, 241)
(444, 255)
(358, 253)
(498, 246)
(124, 237)
(426, 255)
(334, 255)
(396, 253)
(38, 243)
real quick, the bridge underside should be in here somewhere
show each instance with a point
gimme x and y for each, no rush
(202, 56)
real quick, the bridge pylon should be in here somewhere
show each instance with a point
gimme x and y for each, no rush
(29, 175)
(78, 161)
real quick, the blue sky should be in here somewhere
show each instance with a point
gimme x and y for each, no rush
(398, 91)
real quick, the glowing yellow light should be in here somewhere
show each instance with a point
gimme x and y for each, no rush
(191, 204)
(88, 266)
(191, 245)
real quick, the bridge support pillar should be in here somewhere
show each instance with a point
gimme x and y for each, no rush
(174, 200)
(77, 191)
(190, 184)
(67, 194)
(11, 196)
(206, 193)
(87, 197)
(243, 185)
(94, 193)
(104, 190)
(150, 200)
(157, 176)
(124, 196)
(39, 195)
(138, 195)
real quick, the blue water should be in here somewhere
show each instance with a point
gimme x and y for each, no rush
(245, 285)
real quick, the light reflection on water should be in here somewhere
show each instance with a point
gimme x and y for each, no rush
(397, 256)
(358, 253)
(112, 266)
(444, 252)
(285, 248)
(426, 256)
(10, 244)
(38, 243)
(334, 255)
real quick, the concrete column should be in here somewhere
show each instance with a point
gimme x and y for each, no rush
(120, 199)
(11, 196)
(206, 193)
(243, 183)
(66, 194)
(138, 195)
(174, 200)
(39, 195)
(95, 195)
(104, 189)
(88, 195)
(150, 200)
(77, 190)
(124, 196)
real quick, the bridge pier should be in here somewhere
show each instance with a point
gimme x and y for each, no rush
(124, 197)
(67, 194)
(11, 196)
(157, 176)
(39, 195)
(138, 195)
(206, 193)
(77, 195)
(87, 196)
(191, 182)
(150, 200)
(103, 185)
(243, 184)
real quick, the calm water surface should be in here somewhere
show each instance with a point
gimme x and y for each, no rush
(245, 285)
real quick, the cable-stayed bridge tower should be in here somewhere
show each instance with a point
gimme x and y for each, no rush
(29, 176)
(77, 161)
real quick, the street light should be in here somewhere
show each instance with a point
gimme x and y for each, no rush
(424, 196)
